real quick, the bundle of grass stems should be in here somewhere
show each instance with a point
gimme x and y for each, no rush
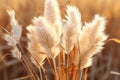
(66, 44)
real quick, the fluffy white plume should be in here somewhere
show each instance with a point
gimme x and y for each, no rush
(34, 47)
(52, 14)
(11, 41)
(14, 36)
(16, 28)
(47, 36)
(91, 40)
(71, 28)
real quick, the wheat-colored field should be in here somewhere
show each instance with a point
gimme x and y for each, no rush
(105, 66)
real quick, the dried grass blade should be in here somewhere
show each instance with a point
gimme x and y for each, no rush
(23, 78)
(27, 63)
(115, 40)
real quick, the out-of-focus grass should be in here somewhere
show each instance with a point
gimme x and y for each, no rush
(27, 9)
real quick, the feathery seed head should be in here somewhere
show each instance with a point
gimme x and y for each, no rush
(16, 28)
(34, 47)
(71, 28)
(46, 36)
(52, 14)
(91, 40)
(14, 37)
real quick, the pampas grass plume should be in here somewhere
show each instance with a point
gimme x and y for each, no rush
(14, 37)
(91, 40)
(34, 47)
(52, 14)
(47, 37)
(71, 28)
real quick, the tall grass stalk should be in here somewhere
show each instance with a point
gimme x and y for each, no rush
(40, 74)
(67, 66)
(55, 69)
(86, 74)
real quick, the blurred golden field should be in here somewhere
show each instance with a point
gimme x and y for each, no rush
(26, 10)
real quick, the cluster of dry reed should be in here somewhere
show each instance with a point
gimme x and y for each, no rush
(67, 45)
